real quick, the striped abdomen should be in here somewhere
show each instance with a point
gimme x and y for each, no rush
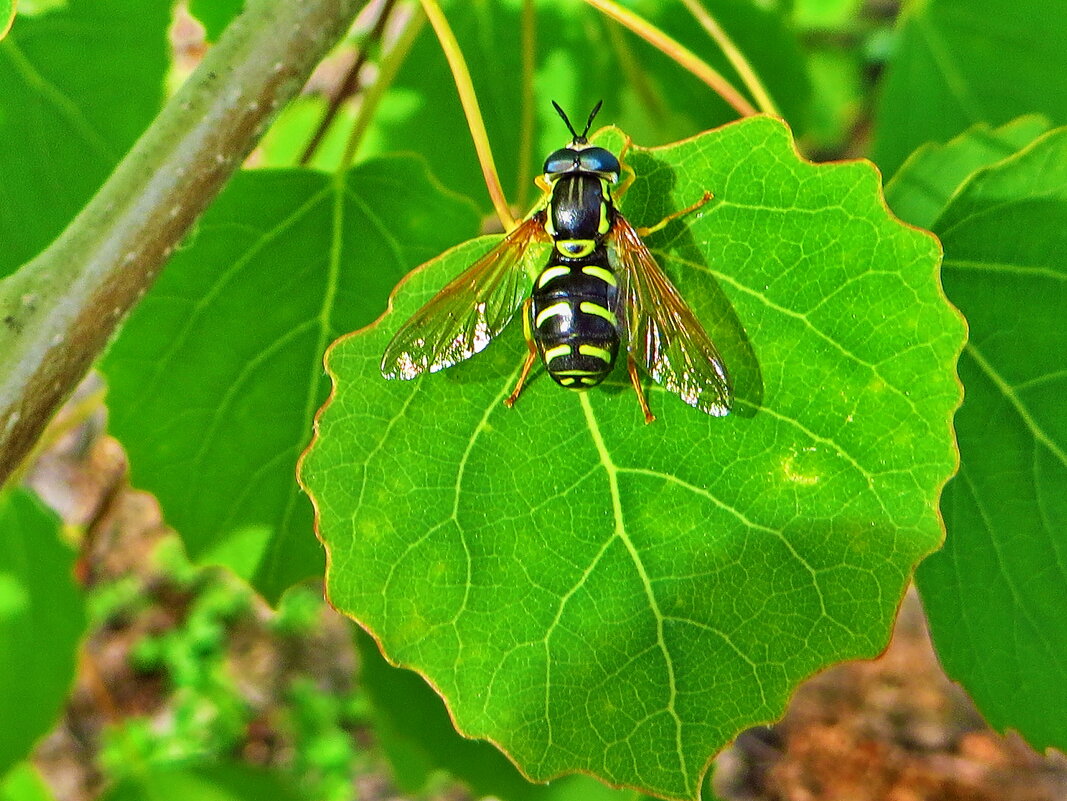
(574, 319)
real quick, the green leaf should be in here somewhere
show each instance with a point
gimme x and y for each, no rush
(42, 617)
(24, 783)
(215, 15)
(31, 8)
(921, 188)
(217, 373)
(223, 782)
(595, 594)
(962, 62)
(412, 725)
(77, 86)
(994, 595)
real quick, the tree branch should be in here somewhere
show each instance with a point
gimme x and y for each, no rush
(59, 310)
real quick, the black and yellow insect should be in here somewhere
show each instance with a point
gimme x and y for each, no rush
(601, 288)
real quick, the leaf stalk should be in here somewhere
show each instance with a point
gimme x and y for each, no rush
(465, 86)
(387, 71)
(734, 55)
(675, 50)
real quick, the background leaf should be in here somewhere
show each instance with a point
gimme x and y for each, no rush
(7, 16)
(215, 15)
(217, 373)
(921, 189)
(70, 108)
(825, 14)
(995, 595)
(595, 594)
(42, 617)
(24, 783)
(962, 62)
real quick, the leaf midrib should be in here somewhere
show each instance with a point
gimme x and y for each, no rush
(1021, 409)
(621, 534)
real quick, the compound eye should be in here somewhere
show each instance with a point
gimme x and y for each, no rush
(561, 161)
(599, 160)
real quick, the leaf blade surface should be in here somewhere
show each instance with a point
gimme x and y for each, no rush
(962, 62)
(42, 618)
(69, 110)
(593, 594)
(994, 595)
(217, 373)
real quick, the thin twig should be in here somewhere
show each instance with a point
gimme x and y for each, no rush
(734, 55)
(388, 67)
(675, 50)
(347, 87)
(461, 75)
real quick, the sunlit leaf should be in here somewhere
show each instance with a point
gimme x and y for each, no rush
(596, 594)
(413, 728)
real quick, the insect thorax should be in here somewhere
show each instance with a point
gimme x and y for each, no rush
(579, 214)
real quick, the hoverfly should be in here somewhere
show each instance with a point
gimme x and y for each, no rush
(600, 288)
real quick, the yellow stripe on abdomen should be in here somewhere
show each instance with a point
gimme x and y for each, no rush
(607, 276)
(596, 352)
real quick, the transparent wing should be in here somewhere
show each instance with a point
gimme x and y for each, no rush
(462, 318)
(664, 336)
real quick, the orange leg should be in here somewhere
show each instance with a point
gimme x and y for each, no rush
(635, 379)
(530, 357)
(680, 213)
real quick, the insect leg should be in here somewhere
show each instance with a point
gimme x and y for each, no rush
(680, 213)
(531, 356)
(635, 379)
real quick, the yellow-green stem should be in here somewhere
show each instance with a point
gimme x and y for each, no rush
(387, 70)
(526, 132)
(5, 24)
(461, 75)
(675, 50)
(734, 55)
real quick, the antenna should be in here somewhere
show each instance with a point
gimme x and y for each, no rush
(592, 114)
(563, 114)
(578, 140)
